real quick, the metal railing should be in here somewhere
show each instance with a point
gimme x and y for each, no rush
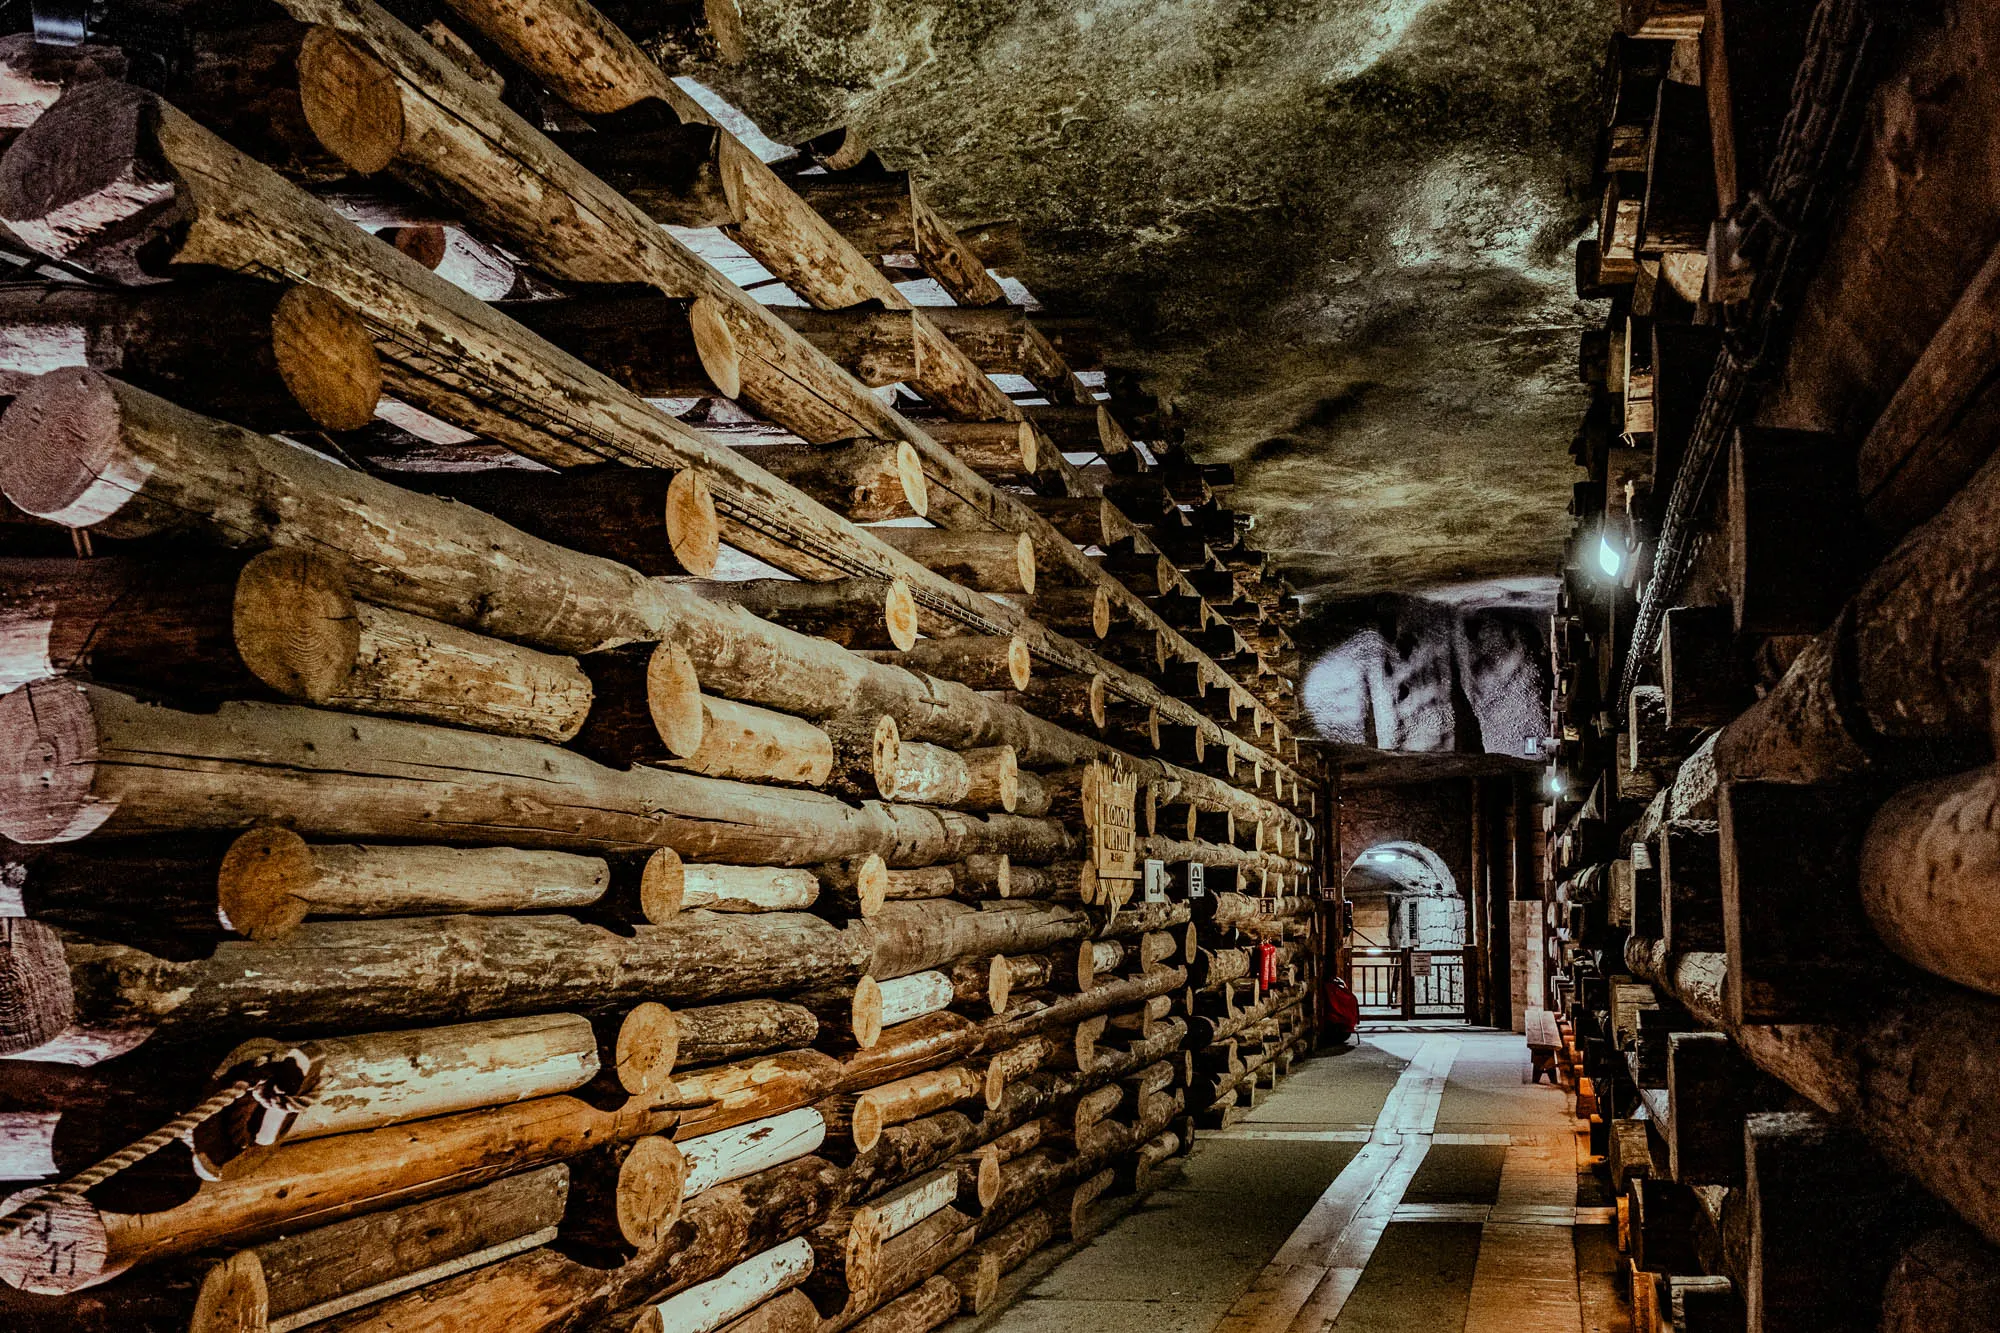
(1413, 983)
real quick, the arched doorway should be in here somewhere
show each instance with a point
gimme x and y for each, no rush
(1409, 933)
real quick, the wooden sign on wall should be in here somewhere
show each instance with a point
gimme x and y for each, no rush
(1110, 799)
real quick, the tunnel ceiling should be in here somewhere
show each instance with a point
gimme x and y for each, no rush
(1334, 236)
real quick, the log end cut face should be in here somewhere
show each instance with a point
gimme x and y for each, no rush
(49, 758)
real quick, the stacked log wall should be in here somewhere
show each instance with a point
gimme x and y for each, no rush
(586, 874)
(1770, 878)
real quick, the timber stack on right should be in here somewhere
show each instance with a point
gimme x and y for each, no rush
(1774, 860)
(545, 790)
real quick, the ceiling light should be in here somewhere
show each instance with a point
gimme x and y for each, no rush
(1609, 558)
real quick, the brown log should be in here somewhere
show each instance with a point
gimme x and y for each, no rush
(919, 1311)
(494, 354)
(625, 1197)
(867, 481)
(1002, 562)
(271, 879)
(659, 521)
(642, 340)
(982, 983)
(978, 1274)
(1071, 610)
(315, 1182)
(724, 1096)
(977, 661)
(163, 626)
(718, 1032)
(377, 778)
(909, 1048)
(322, 1273)
(264, 355)
(1013, 1062)
(1060, 881)
(856, 613)
(324, 974)
(299, 628)
(997, 450)
(750, 744)
(914, 936)
(542, 1290)
(1929, 875)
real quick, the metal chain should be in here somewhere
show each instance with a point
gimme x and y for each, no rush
(1814, 150)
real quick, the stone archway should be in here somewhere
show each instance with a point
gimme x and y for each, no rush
(1405, 896)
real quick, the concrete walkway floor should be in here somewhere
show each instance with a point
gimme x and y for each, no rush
(1415, 1182)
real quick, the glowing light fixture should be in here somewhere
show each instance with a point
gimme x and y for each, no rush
(1609, 558)
(1555, 783)
(1383, 856)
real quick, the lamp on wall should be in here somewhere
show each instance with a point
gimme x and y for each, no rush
(1610, 556)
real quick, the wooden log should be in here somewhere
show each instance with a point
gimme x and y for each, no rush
(865, 481)
(271, 879)
(372, 777)
(735, 1094)
(1929, 872)
(643, 340)
(916, 936)
(918, 1311)
(1061, 880)
(977, 1275)
(855, 613)
(909, 1098)
(1712, 1087)
(913, 996)
(977, 661)
(543, 1290)
(709, 1305)
(123, 620)
(322, 973)
(906, 1261)
(849, 1017)
(1700, 675)
(891, 1214)
(387, 1078)
(495, 355)
(323, 1273)
(996, 450)
(1945, 1279)
(313, 1182)
(911, 1047)
(270, 356)
(1074, 611)
(1002, 562)
(669, 885)
(751, 744)
(982, 983)
(1787, 496)
(624, 1197)
(717, 1032)
(1012, 1062)
(470, 265)
(1691, 885)
(659, 521)
(1809, 1183)
(303, 633)
(742, 1150)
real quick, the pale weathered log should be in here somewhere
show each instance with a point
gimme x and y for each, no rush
(750, 744)
(302, 631)
(323, 974)
(742, 1150)
(386, 1078)
(271, 879)
(932, 775)
(264, 355)
(667, 885)
(711, 1304)
(145, 769)
(918, 1311)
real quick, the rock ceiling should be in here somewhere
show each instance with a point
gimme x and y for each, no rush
(1335, 236)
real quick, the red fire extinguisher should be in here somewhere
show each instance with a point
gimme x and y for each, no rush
(1267, 964)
